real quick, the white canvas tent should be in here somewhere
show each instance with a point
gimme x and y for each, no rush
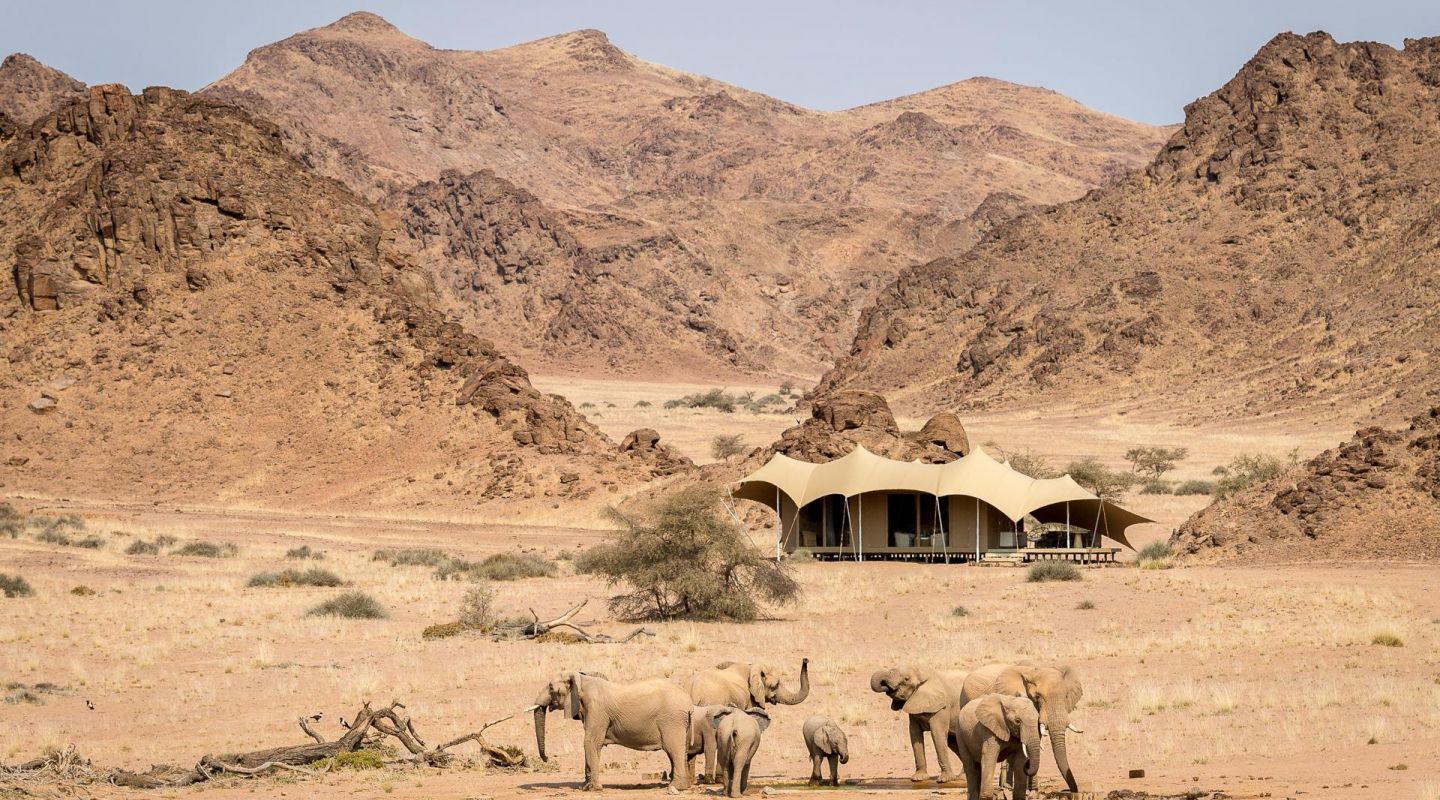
(1013, 495)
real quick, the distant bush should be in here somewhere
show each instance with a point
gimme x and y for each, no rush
(350, 605)
(204, 549)
(1195, 487)
(82, 591)
(18, 693)
(412, 557)
(1155, 486)
(959, 611)
(11, 521)
(1103, 482)
(140, 547)
(1024, 461)
(727, 446)
(295, 577)
(1247, 470)
(477, 608)
(351, 759)
(587, 404)
(1154, 462)
(1387, 638)
(717, 399)
(304, 553)
(642, 403)
(497, 567)
(1084, 605)
(442, 630)
(1046, 571)
(786, 389)
(800, 555)
(1156, 550)
(165, 540)
(15, 586)
(63, 531)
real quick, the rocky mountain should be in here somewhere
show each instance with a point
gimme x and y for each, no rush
(754, 228)
(1372, 498)
(1282, 252)
(193, 314)
(29, 89)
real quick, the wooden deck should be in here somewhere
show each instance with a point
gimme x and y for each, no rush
(925, 555)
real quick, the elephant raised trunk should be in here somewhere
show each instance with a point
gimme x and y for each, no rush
(1058, 724)
(798, 696)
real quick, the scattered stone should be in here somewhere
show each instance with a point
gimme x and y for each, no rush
(17, 461)
(42, 404)
(569, 477)
(228, 369)
(224, 393)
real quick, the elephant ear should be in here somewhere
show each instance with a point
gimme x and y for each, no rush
(991, 713)
(928, 698)
(762, 717)
(1070, 678)
(757, 686)
(718, 713)
(574, 699)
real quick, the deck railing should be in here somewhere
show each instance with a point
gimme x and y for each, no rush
(925, 555)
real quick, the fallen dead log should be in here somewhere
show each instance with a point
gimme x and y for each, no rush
(561, 629)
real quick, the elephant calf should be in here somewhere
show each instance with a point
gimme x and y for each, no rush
(825, 741)
(702, 739)
(996, 728)
(737, 737)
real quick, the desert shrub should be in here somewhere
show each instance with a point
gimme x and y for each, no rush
(1154, 462)
(1156, 550)
(564, 555)
(1246, 470)
(412, 557)
(304, 553)
(1106, 483)
(1046, 571)
(1157, 563)
(63, 531)
(351, 759)
(786, 388)
(717, 399)
(11, 521)
(295, 577)
(165, 540)
(1155, 486)
(497, 567)
(642, 403)
(959, 611)
(443, 630)
(203, 549)
(350, 605)
(726, 446)
(587, 404)
(18, 694)
(15, 586)
(801, 555)
(1195, 487)
(140, 547)
(1024, 461)
(590, 560)
(1387, 638)
(684, 561)
(477, 608)
(1085, 605)
(82, 591)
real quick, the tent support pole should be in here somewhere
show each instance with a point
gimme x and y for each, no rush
(1095, 531)
(940, 523)
(1068, 534)
(977, 530)
(779, 523)
(860, 540)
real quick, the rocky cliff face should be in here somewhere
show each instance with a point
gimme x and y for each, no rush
(745, 232)
(1373, 498)
(1279, 253)
(223, 322)
(29, 89)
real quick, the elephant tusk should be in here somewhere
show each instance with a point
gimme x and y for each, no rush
(1024, 749)
(1072, 727)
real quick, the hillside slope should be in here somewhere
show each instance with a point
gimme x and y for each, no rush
(29, 89)
(196, 316)
(1373, 498)
(757, 228)
(1280, 253)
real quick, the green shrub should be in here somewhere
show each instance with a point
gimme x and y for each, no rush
(204, 549)
(1024, 461)
(350, 605)
(512, 566)
(1157, 563)
(1387, 638)
(1053, 571)
(1249, 469)
(295, 577)
(412, 557)
(1154, 462)
(1156, 550)
(140, 547)
(685, 561)
(590, 560)
(726, 446)
(304, 553)
(15, 586)
(1193, 487)
(786, 388)
(1085, 605)
(11, 521)
(717, 399)
(82, 591)
(1155, 486)
(1106, 483)
(477, 608)
(959, 611)
(642, 403)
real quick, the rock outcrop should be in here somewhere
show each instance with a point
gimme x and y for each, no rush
(644, 444)
(841, 420)
(29, 89)
(1280, 252)
(1374, 498)
(228, 324)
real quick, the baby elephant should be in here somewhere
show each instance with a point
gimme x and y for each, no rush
(995, 728)
(825, 740)
(737, 737)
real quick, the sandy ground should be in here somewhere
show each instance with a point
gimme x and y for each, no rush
(1256, 682)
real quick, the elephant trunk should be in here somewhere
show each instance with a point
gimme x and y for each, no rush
(1058, 724)
(842, 749)
(796, 697)
(540, 732)
(1031, 740)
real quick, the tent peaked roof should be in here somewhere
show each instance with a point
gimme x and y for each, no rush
(977, 474)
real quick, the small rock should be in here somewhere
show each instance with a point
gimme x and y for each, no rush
(228, 369)
(1137, 773)
(569, 477)
(224, 393)
(59, 384)
(17, 461)
(42, 404)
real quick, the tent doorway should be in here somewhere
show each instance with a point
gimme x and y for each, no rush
(901, 510)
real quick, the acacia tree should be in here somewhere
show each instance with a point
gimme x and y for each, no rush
(1154, 462)
(683, 561)
(1103, 482)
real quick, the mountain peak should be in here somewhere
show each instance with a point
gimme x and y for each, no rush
(362, 22)
(29, 88)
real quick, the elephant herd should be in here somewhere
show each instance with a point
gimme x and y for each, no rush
(995, 714)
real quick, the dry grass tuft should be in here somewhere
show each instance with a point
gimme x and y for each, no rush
(350, 605)
(1047, 571)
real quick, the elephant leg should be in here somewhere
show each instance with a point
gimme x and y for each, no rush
(940, 736)
(745, 777)
(675, 742)
(815, 769)
(1017, 773)
(917, 745)
(594, 740)
(707, 747)
(972, 778)
(989, 754)
(834, 770)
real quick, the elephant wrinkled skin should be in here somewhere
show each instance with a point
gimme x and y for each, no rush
(741, 685)
(1054, 689)
(930, 698)
(737, 737)
(826, 742)
(641, 715)
(996, 728)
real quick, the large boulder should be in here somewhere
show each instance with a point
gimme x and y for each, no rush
(855, 409)
(944, 430)
(842, 419)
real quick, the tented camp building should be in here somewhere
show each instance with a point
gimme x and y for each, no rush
(864, 506)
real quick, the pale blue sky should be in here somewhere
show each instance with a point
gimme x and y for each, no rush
(1143, 60)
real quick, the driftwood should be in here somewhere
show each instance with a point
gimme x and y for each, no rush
(573, 632)
(370, 726)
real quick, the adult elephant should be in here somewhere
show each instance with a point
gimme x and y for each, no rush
(740, 685)
(1055, 690)
(641, 715)
(930, 698)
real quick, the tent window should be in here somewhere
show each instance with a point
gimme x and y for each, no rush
(812, 518)
(903, 516)
(931, 525)
(837, 531)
